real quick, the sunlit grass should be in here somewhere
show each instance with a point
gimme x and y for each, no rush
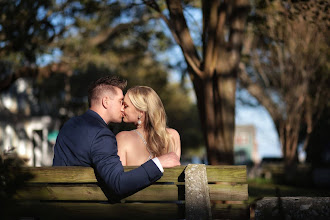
(259, 188)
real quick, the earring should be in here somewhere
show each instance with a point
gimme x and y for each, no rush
(139, 122)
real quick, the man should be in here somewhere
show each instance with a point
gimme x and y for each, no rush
(86, 140)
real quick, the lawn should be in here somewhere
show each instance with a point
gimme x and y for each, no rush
(260, 187)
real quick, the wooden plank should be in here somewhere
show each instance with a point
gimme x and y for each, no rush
(175, 174)
(116, 211)
(86, 174)
(231, 186)
(232, 211)
(198, 204)
(233, 173)
(94, 193)
(221, 192)
(158, 193)
(65, 192)
(61, 174)
(94, 211)
(229, 192)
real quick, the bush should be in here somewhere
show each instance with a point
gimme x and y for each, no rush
(11, 176)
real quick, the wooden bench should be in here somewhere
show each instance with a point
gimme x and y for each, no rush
(184, 192)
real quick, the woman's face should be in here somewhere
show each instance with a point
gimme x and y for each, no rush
(131, 114)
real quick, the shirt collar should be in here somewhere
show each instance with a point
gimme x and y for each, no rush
(96, 115)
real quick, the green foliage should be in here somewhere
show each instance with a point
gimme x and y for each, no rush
(287, 63)
(183, 115)
(97, 38)
(318, 144)
(26, 28)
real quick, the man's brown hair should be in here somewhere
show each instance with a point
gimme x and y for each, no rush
(106, 83)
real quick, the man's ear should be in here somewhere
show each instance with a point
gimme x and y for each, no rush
(105, 102)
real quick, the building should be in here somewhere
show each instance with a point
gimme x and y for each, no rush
(31, 137)
(245, 145)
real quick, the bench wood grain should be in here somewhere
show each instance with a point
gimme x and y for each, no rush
(74, 193)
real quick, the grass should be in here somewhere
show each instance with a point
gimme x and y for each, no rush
(260, 187)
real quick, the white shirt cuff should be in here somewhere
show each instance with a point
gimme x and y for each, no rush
(159, 165)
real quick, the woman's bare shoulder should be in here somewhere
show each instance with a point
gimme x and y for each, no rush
(174, 133)
(123, 134)
(124, 137)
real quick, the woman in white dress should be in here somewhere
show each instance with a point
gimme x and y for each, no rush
(152, 137)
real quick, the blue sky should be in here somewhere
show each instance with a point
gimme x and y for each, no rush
(266, 135)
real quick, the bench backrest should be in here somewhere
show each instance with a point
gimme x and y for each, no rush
(193, 191)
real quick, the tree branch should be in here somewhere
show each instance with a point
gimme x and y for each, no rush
(212, 34)
(106, 34)
(180, 32)
(239, 11)
(259, 93)
(34, 72)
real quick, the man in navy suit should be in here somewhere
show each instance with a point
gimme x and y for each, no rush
(87, 141)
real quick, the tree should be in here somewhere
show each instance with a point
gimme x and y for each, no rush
(26, 31)
(98, 38)
(287, 68)
(319, 144)
(89, 36)
(212, 68)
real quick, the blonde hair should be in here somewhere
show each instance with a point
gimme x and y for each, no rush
(146, 99)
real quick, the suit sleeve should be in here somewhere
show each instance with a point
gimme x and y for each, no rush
(109, 168)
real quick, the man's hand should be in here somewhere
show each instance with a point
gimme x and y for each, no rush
(169, 160)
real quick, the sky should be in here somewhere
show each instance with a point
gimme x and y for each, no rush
(266, 135)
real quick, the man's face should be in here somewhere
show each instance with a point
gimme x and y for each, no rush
(116, 106)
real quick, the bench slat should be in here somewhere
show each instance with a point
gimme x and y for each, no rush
(237, 192)
(220, 173)
(61, 174)
(86, 174)
(95, 211)
(117, 211)
(226, 192)
(232, 211)
(94, 193)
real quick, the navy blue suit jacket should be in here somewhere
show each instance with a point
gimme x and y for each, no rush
(87, 141)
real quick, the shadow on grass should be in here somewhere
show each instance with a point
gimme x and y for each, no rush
(260, 189)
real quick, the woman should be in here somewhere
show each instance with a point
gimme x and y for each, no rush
(151, 138)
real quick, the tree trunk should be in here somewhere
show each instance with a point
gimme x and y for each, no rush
(215, 97)
(214, 71)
